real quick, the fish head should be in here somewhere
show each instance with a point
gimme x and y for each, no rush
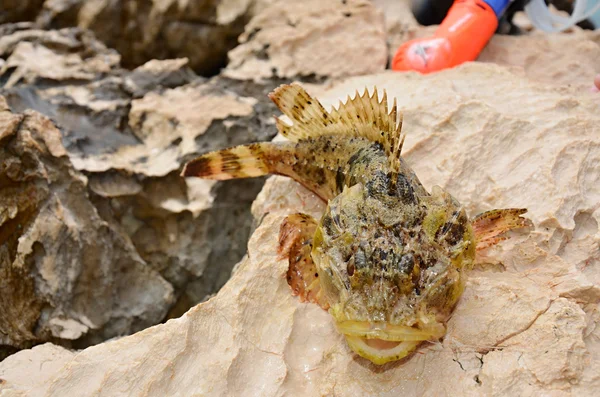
(391, 269)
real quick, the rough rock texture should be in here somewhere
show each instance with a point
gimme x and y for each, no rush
(313, 37)
(36, 55)
(400, 23)
(526, 325)
(47, 357)
(58, 280)
(129, 133)
(203, 30)
(569, 60)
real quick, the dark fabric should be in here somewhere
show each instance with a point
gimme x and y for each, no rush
(433, 12)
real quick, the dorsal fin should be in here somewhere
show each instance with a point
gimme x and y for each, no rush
(362, 116)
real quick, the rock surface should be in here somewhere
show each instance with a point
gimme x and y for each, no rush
(58, 281)
(568, 60)
(203, 31)
(526, 325)
(128, 133)
(36, 55)
(313, 37)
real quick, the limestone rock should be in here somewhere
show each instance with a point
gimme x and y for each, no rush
(527, 324)
(168, 125)
(33, 55)
(290, 39)
(48, 358)
(202, 31)
(157, 74)
(58, 279)
(570, 60)
(129, 133)
(400, 23)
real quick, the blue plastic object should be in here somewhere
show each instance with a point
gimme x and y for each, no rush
(499, 6)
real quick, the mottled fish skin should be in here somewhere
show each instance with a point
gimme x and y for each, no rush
(391, 253)
(390, 257)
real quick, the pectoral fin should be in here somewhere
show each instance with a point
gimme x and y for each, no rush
(489, 227)
(295, 243)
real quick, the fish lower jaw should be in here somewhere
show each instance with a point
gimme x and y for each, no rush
(380, 351)
(381, 343)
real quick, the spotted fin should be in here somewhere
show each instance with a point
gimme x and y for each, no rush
(237, 162)
(295, 243)
(322, 165)
(490, 226)
(362, 116)
(278, 158)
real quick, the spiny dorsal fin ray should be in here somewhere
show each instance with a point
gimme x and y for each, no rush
(307, 114)
(362, 116)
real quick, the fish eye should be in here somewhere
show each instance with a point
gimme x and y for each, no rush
(404, 189)
(451, 232)
(357, 261)
(350, 268)
(329, 226)
(360, 259)
(406, 263)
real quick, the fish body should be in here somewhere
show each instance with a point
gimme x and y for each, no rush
(387, 258)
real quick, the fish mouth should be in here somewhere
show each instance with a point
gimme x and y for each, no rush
(380, 351)
(381, 343)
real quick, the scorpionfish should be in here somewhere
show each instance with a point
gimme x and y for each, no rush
(387, 258)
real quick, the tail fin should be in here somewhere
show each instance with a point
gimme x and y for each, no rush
(303, 161)
(245, 161)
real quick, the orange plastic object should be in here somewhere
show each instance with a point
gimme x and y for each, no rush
(462, 35)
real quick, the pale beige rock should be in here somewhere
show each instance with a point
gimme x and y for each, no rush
(229, 10)
(47, 358)
(313, 37)
(167, 124)
(569, 60)
(552, 351)
(30, 54)
(34, 61)
(400, 23)
(525, 326)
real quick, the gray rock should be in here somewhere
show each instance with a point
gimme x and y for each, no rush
(66, 273)
(203, 31)
(126, 135)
